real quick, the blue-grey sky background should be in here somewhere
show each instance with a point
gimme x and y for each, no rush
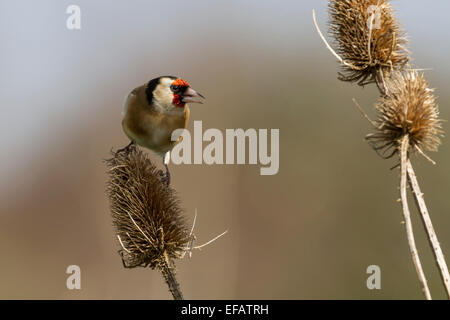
(42, 62)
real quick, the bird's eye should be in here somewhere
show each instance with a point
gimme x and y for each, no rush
(175, 88)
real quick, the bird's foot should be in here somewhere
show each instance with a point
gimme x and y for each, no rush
(166, 178)
(126, 149)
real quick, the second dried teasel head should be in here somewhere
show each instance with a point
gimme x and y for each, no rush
(408, 108)
(368, 38)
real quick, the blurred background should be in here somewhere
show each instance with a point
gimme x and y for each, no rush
(308, 232)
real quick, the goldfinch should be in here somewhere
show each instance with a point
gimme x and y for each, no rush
(154, 110)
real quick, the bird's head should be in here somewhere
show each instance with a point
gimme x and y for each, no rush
(171, 93)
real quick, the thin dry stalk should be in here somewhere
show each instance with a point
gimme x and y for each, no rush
(407, 217)
(168, 271)
(410, 109)
(426, 219)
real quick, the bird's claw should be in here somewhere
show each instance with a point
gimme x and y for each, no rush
(126, 149)
(165, 177)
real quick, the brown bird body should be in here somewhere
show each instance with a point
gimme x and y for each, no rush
(151, 128)
(152, 112)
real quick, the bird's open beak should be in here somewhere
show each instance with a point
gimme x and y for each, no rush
(192, 96)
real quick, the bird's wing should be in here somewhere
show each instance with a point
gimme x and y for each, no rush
(131, 95)
(187, 111)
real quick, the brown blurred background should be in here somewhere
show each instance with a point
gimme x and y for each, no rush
(308, 232)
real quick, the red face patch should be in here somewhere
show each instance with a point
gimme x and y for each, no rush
(177, 101)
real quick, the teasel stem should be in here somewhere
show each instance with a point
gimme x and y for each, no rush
(168, 272)
(422, 208)
(407, 216)
(426, 219)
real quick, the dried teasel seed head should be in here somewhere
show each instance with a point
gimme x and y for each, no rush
(408, 108)
(145, 211)
(368, 38)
